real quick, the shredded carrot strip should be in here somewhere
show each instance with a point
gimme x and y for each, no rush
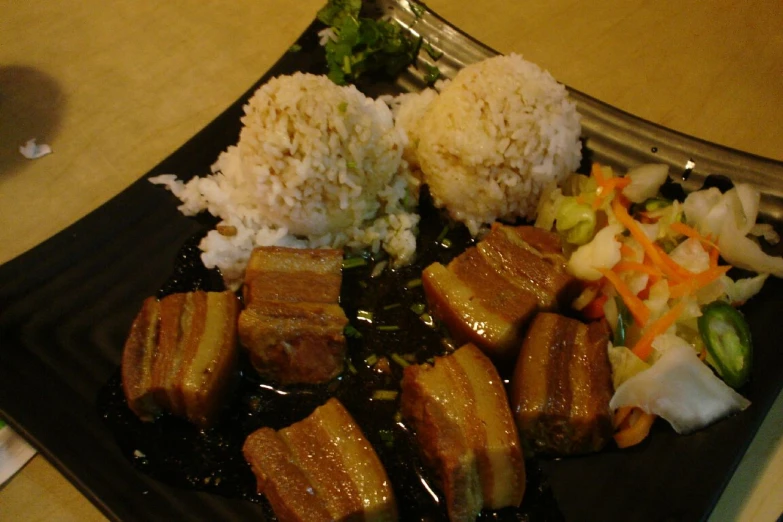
(636, 432)
(632, 266)
(688, 231)
(597, 173)
(606, 186)
(635, 305)
(643, 347)
(698, 281)
(626, 251)
(620, 415)
(714, 255)
(660, 258)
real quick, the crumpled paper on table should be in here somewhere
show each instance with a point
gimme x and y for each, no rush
(31, 150)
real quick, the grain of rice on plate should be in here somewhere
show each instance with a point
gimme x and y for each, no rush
(493, 139)
(316, 165)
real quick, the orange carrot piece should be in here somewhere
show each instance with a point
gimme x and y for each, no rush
(660, 258)
(620, 416)
(698, 281)
(595, 308)
(636, 432)
(643, 347)
(688, 231)
(626, 251)
(632, 266)
(597, 173)
(635, 305)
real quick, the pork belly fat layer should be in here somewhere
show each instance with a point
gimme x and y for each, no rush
(293, 274)
(294, 342)
(292, 325)
(488, 294)
(137, 357)
(467, 317)
(561, 386)
(321, 468)
(460, 414)
(515, 252)
(181, 356)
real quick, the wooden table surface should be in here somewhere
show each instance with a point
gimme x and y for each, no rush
(114, 87)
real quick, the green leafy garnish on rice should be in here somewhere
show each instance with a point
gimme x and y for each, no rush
(359, 45)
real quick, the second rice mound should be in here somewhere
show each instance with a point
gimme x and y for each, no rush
(494, 138)
(316, 165)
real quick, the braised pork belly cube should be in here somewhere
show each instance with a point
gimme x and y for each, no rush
(181, 356)
(561, 386)
(488, 294)
(292, 325)
(460, 414)
(321, 469)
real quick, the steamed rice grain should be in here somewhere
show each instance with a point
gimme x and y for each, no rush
(494, 137)
(317, 165)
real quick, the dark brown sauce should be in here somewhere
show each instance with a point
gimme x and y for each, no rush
(176, 453)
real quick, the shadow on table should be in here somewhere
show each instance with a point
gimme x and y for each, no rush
(31, 106)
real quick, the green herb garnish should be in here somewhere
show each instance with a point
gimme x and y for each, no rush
(363, 45)
(353, 333)
(295, 48)
(432, 74)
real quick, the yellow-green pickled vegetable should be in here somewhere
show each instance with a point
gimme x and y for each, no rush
(575, 221)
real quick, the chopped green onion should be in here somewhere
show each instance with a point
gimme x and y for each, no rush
(350, 164)
(446, 243)
(387, 437)
(389, 328)
(353, 262)
(419, 308)
(442, 234)
(399, 360)
(352, 368)
(434, 53)
(413, 283)
(350, 331)
(392, 306)
(384, 395)
(431, 75)
(342, 107)
(364, 315)
(417, 8)
(371, 360)
(295, 48)
(427, 318)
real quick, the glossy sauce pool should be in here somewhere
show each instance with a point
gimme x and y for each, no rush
(176, 453)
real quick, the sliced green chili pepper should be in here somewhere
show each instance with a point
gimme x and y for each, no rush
(727, 338)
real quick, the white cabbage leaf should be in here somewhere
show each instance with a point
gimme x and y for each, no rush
(731, 217)
(679, 388)
(646, 181)
(602, 252)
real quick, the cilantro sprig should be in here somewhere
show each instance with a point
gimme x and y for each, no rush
(364, 45)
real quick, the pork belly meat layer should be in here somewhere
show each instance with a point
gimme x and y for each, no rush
(181, 356)
(292, 325)
(460, 414)
(321, 468)
(561, 387)
(489, 293)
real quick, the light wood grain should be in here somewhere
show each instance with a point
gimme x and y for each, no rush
(114, 87)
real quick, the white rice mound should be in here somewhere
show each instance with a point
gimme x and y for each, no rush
(497, 135)
(316, 166)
